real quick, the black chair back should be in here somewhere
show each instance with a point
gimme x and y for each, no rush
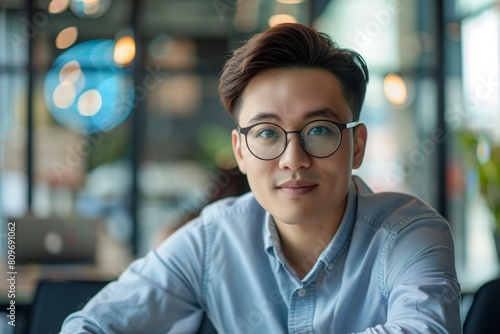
(484, 313)
(55, 300)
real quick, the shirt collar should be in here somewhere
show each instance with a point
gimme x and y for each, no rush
(342, 238)
(271, 235)
(336, 246)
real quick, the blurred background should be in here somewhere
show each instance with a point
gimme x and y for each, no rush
(112, 134)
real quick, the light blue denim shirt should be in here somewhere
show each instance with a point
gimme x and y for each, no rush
(389, 269)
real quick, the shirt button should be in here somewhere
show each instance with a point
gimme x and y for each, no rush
(330, 266)
(302, 292)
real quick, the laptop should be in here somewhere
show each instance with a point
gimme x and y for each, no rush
(54, 240)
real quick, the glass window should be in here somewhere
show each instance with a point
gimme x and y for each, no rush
(13, 82)
(476, 123)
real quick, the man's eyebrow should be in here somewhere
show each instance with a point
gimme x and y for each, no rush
(265, 116)
(269, 116)
(323, 112)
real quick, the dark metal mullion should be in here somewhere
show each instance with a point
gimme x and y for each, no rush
(30, 161)
(441, 147)
(137, 133)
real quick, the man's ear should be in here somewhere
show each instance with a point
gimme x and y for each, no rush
(360, 137)
(236, 140)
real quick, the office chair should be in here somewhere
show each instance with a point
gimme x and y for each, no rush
(55, 300)
(484, 313)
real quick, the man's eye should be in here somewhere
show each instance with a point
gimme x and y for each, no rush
(267, 133)
(318, 131)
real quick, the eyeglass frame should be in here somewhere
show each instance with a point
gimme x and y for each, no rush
(340, 126)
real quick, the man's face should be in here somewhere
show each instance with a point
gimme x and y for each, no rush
(295, 187)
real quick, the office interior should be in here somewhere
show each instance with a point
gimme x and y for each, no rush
(111, 130)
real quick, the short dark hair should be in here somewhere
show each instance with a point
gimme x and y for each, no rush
(289, 46)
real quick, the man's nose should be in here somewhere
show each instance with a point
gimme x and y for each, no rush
(294, 157)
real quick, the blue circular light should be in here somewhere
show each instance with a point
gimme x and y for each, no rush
(85, 90)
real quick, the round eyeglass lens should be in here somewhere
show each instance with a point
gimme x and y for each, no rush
(266, 141)
(321, 139)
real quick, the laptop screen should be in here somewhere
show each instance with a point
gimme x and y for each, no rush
(55, 240)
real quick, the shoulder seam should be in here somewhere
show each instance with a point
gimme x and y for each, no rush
(207, 245)
(393, 231)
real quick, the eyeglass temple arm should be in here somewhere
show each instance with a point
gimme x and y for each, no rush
(351, 124)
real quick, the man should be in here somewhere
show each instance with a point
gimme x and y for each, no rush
(310, 249)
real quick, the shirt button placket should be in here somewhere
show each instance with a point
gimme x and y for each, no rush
(302, 311)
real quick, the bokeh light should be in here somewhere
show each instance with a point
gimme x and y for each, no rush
(124, 51)
(90, 103)
(66, 37)
(90, 8)
(64, 95)
(281, 18)
(290, 2)
(86, 91)
(395, 89)
(58, 6)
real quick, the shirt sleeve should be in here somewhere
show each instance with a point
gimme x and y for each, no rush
(418, 279)
(152, 294)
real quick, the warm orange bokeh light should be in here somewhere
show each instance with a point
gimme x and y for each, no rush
(290, 2)
(66, 37)
(281, 18)
(124, 51)
(395, 89)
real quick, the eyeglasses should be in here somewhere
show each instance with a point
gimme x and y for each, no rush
(320, 138)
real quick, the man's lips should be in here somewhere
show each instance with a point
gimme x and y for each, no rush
(297, 187)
